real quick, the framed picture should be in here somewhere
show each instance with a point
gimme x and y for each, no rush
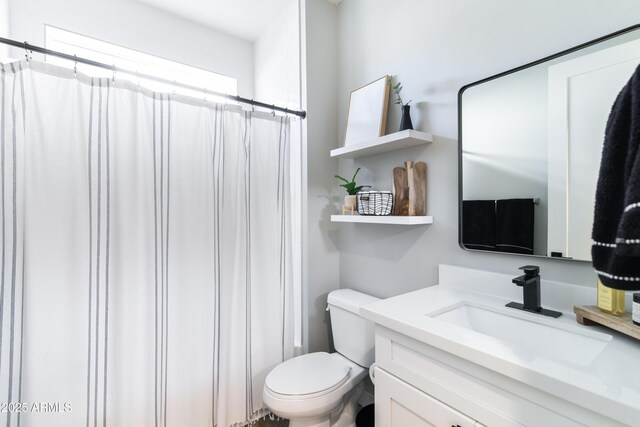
(368, 112)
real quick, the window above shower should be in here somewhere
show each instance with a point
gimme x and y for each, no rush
(130, 59)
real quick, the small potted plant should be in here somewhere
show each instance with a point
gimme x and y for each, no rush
(405, 121)
(352, 189)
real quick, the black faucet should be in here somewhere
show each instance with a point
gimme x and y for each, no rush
(530, 282)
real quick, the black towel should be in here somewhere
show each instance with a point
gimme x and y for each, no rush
(616, 225)
(514, 226)
(479, 224)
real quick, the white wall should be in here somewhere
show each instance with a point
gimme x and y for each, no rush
(435, 47)
(137, 26)
(4, 25)
(320, 78)
(277, 60)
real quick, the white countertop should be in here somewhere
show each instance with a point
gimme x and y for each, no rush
(609, 384)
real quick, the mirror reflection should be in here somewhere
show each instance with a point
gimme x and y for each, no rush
(531, 141)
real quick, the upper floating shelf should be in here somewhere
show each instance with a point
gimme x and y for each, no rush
(395, 141)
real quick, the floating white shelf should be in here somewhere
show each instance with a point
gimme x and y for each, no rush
(395, 141)
(390, 219)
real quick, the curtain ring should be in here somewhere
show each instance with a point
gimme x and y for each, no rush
(27, 56)
(113, 75)
(75, 65)
(273, 110)
(253, 107)
(204, 96)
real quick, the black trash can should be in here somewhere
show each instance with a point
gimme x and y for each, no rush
(366, 417)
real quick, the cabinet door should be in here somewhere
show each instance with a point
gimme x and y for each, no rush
(398, 405)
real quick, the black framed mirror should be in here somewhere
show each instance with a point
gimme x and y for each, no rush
(530, 141)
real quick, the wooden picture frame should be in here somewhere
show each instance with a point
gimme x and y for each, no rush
(368, 107)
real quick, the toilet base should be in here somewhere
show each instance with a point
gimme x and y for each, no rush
(311, 422)
(343, 416)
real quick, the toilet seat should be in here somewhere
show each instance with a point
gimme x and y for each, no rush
(308, 376)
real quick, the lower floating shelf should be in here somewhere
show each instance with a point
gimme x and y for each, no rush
(389, 219)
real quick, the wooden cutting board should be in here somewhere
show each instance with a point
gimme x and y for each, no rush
(417, 177)
(410, 185)
(401, 192)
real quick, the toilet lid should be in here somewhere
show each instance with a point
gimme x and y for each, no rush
(308, 374)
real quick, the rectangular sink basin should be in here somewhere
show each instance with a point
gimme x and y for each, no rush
(527, 336)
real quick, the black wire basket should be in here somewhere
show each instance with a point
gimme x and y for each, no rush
(377, 203)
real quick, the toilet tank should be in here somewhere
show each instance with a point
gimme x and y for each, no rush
(353, 336)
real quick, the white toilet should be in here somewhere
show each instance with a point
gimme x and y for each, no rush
(322, 389)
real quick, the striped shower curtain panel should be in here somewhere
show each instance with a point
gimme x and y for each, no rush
(146, 254)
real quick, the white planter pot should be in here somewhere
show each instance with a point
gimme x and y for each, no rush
(350, 202)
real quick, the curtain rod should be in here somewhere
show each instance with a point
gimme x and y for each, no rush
(32, 48)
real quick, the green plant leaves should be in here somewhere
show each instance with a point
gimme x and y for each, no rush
(354, 175)
(341, 178)
(397, 88)
(351, 186)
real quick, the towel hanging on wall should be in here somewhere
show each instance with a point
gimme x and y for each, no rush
(616, 227)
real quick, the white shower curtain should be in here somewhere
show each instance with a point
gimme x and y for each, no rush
(146, 254)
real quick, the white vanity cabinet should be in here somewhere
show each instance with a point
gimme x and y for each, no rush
(417, 385)
(493, 366)
(399, 404)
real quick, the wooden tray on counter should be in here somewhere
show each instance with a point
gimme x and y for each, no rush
(591, 315)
